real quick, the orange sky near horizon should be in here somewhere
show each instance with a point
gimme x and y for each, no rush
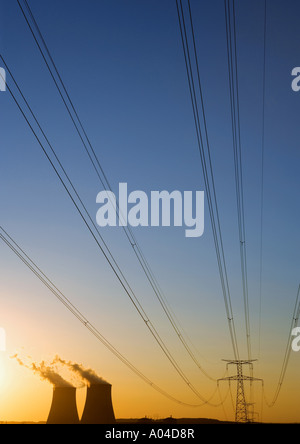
(124, 67)
(24, 396)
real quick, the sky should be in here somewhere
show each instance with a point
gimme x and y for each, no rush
(123, 66)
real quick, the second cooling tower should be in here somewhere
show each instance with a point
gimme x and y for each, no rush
(98, 406)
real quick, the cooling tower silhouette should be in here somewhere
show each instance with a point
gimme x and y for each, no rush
(63, 409)
(98, 406)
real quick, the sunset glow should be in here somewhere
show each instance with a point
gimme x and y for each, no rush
(150, 243)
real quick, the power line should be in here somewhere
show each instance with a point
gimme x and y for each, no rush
(233, 76)
(231, 39)
(234, 95)
(103, 248)
(286, 358)
(262, 177)
(207, 169)
(20, 253)
(91, 152)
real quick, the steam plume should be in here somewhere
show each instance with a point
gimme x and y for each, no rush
(46, 372)
(87, 374)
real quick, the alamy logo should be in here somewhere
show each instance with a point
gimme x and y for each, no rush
(2, 340)
(136, 209)
(296, 341)
(2, 80)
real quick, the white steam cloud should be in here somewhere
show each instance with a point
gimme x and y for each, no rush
(86, 374)
(45, 371)
(51, 373)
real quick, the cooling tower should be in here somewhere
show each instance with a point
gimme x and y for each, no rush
(98, 406)
(63, 409)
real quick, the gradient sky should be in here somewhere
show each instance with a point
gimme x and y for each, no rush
(123, 65)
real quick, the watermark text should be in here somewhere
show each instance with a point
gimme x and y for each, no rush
(2, 80)
(161, 208)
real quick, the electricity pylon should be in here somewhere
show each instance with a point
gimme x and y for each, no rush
(241, 409)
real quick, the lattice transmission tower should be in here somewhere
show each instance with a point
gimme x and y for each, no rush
(241, 408)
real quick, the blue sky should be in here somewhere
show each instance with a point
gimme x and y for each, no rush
(123, 65)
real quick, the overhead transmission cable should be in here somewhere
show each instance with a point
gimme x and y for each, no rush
(94, 159)
(286, 358)
(87, 219)
(296, 313)
(20, 253)
(207, 167)
(233, 76)
(262, 178)
(231, 39)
